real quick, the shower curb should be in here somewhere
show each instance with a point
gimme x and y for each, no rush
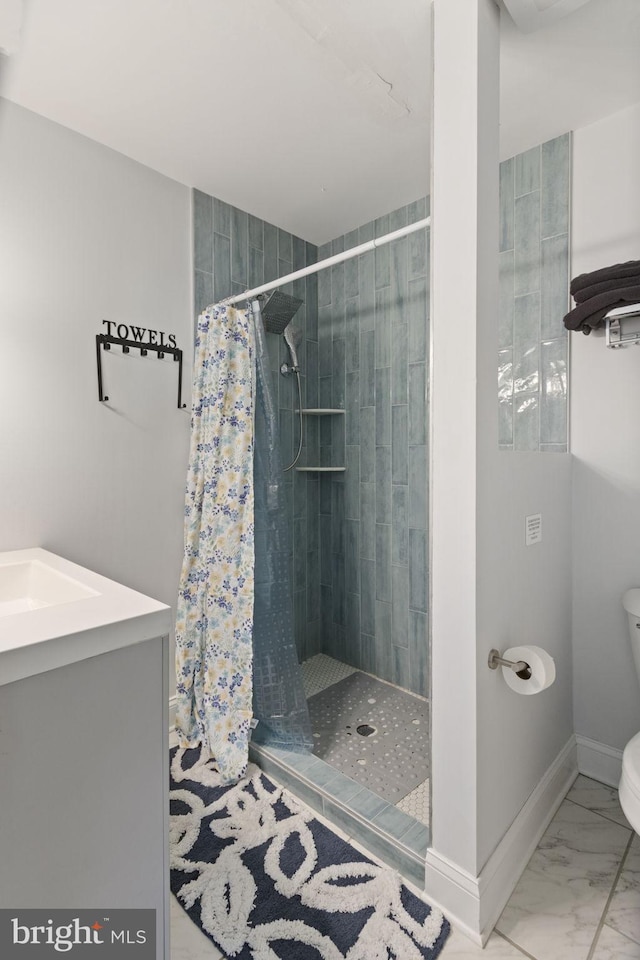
(403, 849)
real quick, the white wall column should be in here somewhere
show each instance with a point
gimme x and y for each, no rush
(501, 762)
(463, 302)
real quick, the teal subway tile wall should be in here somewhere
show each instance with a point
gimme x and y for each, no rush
(233, 251)
(373, 345)
(534, 296)
(358, 539)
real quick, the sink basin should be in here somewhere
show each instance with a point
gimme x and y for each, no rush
(31, 584)
(54, 613)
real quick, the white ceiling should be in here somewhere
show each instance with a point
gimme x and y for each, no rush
(312, 114)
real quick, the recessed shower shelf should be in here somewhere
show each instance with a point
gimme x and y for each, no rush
(319, 411)
(321, 469)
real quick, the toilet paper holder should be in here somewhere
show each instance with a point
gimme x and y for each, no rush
(520, 667)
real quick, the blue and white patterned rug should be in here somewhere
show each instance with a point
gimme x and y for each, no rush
(265, 880)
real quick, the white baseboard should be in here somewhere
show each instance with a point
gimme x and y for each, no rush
(473, 904)
(455, 892)
(504, 867)
(598, 761)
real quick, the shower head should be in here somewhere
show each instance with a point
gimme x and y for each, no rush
(293, 339)
(278, 310)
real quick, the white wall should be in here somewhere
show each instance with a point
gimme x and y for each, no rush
(85, 235)
(605, 431)
(524, 597)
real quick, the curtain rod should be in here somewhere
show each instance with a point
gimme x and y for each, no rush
(328, 262)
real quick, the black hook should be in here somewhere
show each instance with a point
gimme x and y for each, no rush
(106, 341)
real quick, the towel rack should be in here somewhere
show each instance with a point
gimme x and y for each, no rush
(105, 341)
(614, 336)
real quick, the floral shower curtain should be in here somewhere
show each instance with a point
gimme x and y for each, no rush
(214, 656)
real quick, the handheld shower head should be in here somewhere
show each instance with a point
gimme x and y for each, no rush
(293, 339)
(277, 312)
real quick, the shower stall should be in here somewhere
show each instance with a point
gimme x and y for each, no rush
(349, 368)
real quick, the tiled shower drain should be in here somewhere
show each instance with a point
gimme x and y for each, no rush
(373, 732)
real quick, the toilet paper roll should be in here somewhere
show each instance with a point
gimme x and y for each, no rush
(543, 669)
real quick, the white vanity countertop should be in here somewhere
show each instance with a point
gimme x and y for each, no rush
(114, 616)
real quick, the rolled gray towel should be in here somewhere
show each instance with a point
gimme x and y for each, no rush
(580, 296)
(591, 313)
(617, 271)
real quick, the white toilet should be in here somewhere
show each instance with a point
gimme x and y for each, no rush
(630, 780)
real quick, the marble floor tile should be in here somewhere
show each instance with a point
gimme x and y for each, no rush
(188, 942)
(459, 947)
(557, 905)
(599, 798)
(612, 945)
(624, 910)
